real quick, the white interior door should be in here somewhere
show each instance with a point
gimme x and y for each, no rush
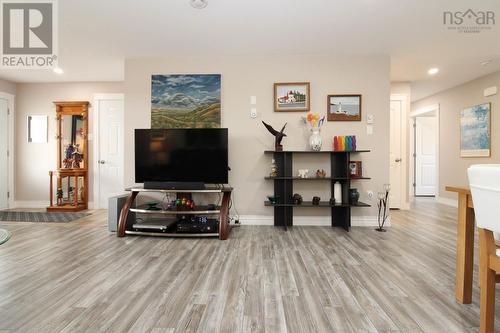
(425, 156)
(396, 170)
(4, 159)
(110, 155)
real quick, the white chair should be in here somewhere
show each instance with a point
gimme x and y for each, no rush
(484, 183)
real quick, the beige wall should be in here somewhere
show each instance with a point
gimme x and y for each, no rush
(34, 160)
(7, 87)
(243, 77)
(451, 102)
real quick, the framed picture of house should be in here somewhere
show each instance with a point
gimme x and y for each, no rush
(344, 108)
(293, 96)
(475, 131)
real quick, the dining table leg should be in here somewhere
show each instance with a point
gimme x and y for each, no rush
(465, 250)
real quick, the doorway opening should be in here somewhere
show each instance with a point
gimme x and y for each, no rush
(6, 151)
(425, 152)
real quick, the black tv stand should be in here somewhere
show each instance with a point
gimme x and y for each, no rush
(174, 185)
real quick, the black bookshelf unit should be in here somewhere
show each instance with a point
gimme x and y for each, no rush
(283, 187)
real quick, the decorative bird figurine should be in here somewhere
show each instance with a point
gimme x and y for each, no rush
(278, 136)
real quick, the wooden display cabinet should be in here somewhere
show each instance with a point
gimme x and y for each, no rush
(70, 191)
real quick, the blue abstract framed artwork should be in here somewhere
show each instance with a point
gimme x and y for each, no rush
(186, 101)
(475, 131)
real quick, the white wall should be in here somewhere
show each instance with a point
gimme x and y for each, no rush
(245, 76)
(7, 87)
(452, 167)
(34, 160)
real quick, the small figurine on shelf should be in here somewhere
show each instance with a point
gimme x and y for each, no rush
(59, 195)
(320, 173)
(278, 136)
(316, 200)
(303, 173)
(274, 169)
(297, 199)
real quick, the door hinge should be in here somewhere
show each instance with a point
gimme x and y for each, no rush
(8, 194)
(414, 155)
(8, 112)
(8, 153)
(414, 185)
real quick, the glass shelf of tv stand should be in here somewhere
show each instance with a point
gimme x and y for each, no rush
(199, 210)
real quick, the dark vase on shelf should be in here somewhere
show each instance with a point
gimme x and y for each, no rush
(353, 196)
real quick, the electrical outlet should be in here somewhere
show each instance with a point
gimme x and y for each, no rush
(369, 194)
(253, 113)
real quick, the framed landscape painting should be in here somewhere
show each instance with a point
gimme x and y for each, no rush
(185, 101)
(294, 96)
(475, 131)
(344, 108)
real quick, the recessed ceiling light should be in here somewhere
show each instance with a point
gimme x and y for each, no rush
(58, 70)
(433, 71)
(198, 4)
(486, 62)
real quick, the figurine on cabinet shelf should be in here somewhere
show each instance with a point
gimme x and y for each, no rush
(320, 173)
(332, 201)
(59, 195)
(303, 173)
(278, 136)
(316, 200)
(297, 199)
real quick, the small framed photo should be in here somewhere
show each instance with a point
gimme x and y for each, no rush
(355, 169)
(344, 108)
(292, 96)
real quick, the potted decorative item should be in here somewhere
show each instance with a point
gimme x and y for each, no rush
(273, 199)
(383, 198)
(315, 123)
(297, 199)
(353, 196)
(316, 200)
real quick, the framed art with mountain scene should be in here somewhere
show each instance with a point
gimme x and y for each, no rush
(344, 108)
(293, 96)
(475, 131)
(185, 101)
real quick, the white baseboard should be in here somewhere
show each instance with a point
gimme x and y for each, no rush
(447, 201)
(356, 221)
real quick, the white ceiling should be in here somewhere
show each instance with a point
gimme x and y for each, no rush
(96, 36)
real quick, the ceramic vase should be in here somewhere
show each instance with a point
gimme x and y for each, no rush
(315, 141)
(353, 196)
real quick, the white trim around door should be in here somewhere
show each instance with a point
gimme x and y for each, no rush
(434, 108)
(95, 136)
(11, 129)
(405, 103)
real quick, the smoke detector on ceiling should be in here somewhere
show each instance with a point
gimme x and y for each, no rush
(198, 4)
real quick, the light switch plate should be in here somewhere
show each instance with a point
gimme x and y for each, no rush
(369, 129)
(253, 100)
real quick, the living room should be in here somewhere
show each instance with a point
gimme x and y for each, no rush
(185, 167)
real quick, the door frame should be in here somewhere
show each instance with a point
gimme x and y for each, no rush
(10, 146)
(405, 103)
(420, 112)
(95, 172)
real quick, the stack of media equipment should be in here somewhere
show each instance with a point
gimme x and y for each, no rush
(180, 161)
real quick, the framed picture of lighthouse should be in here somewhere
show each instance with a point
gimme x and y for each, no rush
(344, 108)
(293, 96)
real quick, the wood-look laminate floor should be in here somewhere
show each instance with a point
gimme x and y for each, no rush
(76, 277)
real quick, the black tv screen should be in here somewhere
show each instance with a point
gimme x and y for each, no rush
(181, 155)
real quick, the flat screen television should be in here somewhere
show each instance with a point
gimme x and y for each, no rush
(177, 156)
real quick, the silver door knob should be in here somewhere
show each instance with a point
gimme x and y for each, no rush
(102, 161)
(397, 160)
